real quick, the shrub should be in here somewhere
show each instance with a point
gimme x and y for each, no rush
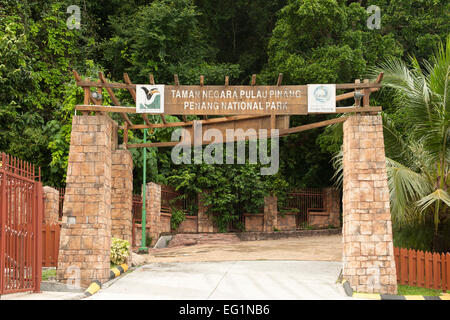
(120, 250)
(178, 216)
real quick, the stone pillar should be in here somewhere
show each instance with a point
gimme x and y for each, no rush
(333, 206)
(270, 213)
(51, 205)
(368, 255)
(205, 222)
(122, 194)
(85, 242)
(153, 210)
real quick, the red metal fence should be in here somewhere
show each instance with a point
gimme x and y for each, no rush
(21, 216)
(50, 244)
(62, 192)
(168, 196)
(423, 269)
(305, 200)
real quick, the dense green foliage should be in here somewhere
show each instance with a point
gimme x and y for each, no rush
(307, 40)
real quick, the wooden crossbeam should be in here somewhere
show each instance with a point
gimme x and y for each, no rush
(280, 79)
(285, 132)
(122, 109)
(202, 83)
(282, 133)
(152, 144)
(117, 85)
(177, 83)
(152, 81)
(190, 123)
(113, 98)
(127, 80)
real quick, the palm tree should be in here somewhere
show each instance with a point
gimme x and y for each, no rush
(418, 160)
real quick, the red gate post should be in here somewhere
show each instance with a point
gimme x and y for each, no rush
(2, 221)
(38, 234)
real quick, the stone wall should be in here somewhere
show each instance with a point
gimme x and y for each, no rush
(85, 240)
(270, 213)
(122, 194)
(205, 222)
(368, 257)
(286, 221)
(165, 222)
(51, 205)
(332, 200)
(190, 225)
(153, 210)
(254, 222)
(138, 234)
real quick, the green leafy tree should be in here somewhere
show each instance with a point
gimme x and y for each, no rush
(418, 158)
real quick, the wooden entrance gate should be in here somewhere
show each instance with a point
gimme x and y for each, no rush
(21, 216)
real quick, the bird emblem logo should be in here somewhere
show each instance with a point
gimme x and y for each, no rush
(151, 94)
(150, 99)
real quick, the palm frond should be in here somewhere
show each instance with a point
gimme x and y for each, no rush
(432, 198)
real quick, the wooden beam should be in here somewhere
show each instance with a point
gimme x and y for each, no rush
(202, 83)
(190, 123)
(113, 97)
(253, 79)
(280, 79)
(343, 86)
(366, 98)
(127, 80)
(152, 81)
(153, 144)
(227, 81)
(109, 90)
(284, 132)
(122, 109)
(273, 122)
(380, 77)
(125, 135)
(176, 81)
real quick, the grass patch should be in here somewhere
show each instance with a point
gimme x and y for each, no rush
(48, 273)
(405, 290)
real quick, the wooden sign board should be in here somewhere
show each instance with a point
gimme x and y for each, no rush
(241, 128)
(235, 100)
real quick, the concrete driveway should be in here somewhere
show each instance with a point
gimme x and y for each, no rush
(290, 280)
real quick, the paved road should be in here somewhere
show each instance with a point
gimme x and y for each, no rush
(316, 248)
(291, 280)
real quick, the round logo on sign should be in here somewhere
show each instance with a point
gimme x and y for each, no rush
(321, 94)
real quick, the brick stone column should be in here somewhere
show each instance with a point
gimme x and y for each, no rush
(51, 205)
(122, 194)
(205, 222)
(85, 242)
(368, 257)
(270, 213)
(333, 206)
(153, 210)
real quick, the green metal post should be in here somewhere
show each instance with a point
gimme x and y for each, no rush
(143, 248)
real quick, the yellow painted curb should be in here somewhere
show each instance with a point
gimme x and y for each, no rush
(445, 296)
(373, 296)
(415, 297)
(116, 271)
(124, 267)
(93, 288)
